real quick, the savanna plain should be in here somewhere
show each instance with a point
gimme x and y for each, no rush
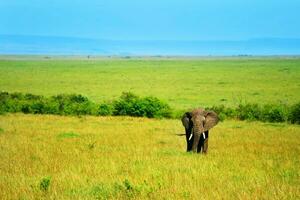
(121, 157)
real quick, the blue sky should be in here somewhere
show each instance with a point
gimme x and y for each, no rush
(152, 19)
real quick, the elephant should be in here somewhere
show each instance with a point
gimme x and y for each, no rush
(197, 124)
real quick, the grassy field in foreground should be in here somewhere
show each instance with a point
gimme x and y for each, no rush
(181, 83)
(123, 157)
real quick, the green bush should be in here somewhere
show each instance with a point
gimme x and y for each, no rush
(13, 106)
(35, 107)
(125, 105)
(294, 114)
(29, 96)
(248, 112)
(223, 112)
(61, 104)
(132, 105)
(17, 95)
(4, 96)
(105, 109)
(71, 105)
(84, 108)
(51, 106)
(17, 102)
(153, 108)
(45, 183)
(64, 104)
(273, 113)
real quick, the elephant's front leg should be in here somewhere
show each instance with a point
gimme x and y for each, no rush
(189, 139)
(200, 145)
(205, 145)
(190, 144)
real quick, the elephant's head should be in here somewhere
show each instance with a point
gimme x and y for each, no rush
(203, 120)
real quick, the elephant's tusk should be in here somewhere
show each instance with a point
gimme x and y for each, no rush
(203, 135)
(190, 137)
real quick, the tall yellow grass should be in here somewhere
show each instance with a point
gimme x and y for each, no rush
(124, 157)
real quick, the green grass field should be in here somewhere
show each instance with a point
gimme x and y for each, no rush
(182, 83)
(60, 157)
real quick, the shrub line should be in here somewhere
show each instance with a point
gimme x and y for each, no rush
(130, 104)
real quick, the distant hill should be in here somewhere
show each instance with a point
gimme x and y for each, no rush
(38, 45)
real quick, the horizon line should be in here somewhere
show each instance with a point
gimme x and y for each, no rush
(170, 40)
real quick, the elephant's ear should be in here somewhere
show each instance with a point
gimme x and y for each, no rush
(186, 119)
(211, 119)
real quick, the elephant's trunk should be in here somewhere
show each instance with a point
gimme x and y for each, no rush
(198, 129)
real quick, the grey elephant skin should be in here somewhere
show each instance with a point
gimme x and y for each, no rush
(197, 124)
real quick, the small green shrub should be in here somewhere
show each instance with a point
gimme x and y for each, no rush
(217, 109)
(3, 95)
(128, 185)
(248, 112)
(273, 113)
(17, 95)
(72, 105)
(223, 112)
(294, 114)
(3, 109)
(132, 105)
(51, 107)
(29, 96)
(25, 107)
(45, 183)
(13, 106)
(105, 109)
(77, 98)
(125, 105)
(84, 108)
(153, 108)
(37, 107)
(222, 116)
